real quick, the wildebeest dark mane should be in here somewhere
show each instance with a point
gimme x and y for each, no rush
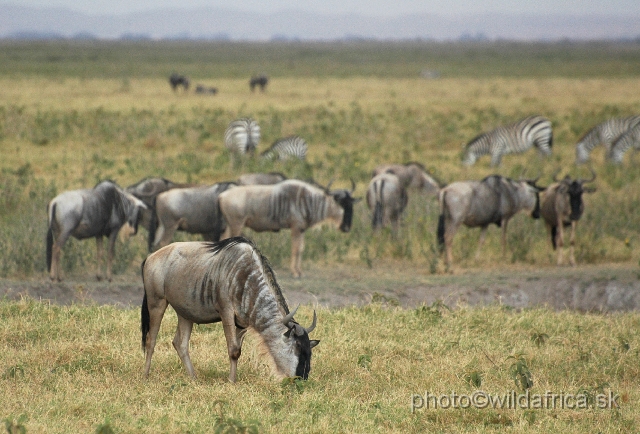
(216, 247)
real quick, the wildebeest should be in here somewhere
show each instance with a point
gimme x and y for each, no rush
(495, 200)
(387, 197)
(193, 210)
(412, 175)
(98, 212)
(261, 178)
(511, 139)
(229, 282)
(202, 89)
(289, 204)
(176, 80)
(561, 206)
(260, 80)
(147, 190)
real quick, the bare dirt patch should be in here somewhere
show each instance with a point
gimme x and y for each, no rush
(601, 288)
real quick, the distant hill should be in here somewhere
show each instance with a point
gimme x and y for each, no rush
(211, 23)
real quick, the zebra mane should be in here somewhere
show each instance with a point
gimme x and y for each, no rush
(270, 276)
(475, 139)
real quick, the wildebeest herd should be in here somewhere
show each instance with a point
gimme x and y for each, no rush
(226, 278)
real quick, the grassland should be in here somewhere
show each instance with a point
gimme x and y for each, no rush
(73, 113)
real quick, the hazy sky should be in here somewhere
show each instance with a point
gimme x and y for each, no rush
(362, 7)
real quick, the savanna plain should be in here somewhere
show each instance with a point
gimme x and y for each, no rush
(73, 113)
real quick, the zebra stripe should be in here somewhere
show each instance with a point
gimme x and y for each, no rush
(287, 147)
(242, 136)
(627, 140)
(511, 139)
(604, 134)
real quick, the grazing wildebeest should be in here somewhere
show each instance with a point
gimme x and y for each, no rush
(229, 282)
(260, 80)
(261, 178)
(193, 210)
(202, 89)
(291, 204)
(387, 197)
(562, 205)
(412, 175)
(98, 212)
(511, 139)
(147, 190)
(176, 80)
(495, 199)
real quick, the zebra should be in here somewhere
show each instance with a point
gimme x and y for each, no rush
(242, 136)
(630, 139)
(511, 139)
(605, 134)
(285, 148)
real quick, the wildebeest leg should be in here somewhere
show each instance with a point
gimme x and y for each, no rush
(504, 225)
(165, 235)
(572, 241)
(181, 343)
(111, 253)
(449, 232)
(56, 252)
(560, 239)
(99, 248)
(297, 246)
(483, 234)
(234, 342)
(156, 312)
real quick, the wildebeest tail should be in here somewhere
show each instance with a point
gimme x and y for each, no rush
(50, 237)
(145, 318)
(440, 231)
(220, 223)
(554, 232)
(153, 226)
(376, 221)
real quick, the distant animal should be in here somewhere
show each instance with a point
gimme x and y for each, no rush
(177, 80)
(242, 136)
(286, 148)
(604, 134)
(495, 200)
(261, 178)
(511, 139)
(387, 198)
(629, 139)
(291, 204)
(90, 213)
(260, 80)
(562, 206)
(230, 282)
(412, 176)
(147, 190)
(201, 89)
(193, 210)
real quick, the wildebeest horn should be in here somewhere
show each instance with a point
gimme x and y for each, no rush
(328, 187)
(353, 186)
(555, 175)
(313, 323)
(287, 319)
(593, 177)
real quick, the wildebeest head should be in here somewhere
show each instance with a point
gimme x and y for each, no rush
(133, 212)
(346, 201)
(574, 189)
(301, 343)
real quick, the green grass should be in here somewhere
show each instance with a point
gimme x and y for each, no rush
(75, 368)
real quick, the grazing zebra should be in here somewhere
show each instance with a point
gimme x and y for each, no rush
(285, 148)
(605, 134)
(630, 139)
(242, 136)
(511, 139)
